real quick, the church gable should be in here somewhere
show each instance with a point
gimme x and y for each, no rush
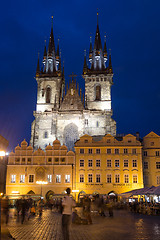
(72, 100)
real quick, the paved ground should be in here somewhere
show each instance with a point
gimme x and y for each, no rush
(124, 225)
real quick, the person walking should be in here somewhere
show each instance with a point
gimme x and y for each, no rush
(67, 204)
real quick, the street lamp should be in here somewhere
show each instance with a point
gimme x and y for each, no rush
(41, 183)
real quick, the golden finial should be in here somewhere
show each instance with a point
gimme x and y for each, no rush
(97, 15)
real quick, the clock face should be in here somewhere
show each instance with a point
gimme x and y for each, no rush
(72, 91)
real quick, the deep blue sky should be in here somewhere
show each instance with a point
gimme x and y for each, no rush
(133, 33)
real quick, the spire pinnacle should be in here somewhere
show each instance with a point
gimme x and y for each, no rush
(110, 70)
(85, 63)
(97, 16)
(38, 68)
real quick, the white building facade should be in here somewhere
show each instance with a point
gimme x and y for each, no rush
(66, 116)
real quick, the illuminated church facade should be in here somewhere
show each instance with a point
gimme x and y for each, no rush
(66, 115)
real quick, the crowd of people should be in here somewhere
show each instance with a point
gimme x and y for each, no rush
(148, 208)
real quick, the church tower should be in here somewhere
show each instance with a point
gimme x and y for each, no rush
(98, 76)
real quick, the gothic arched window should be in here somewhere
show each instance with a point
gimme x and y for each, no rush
(45, 134)
(98, 92)
(48, 95)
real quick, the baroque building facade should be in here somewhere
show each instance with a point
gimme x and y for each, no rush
(27, 168)
(151, 159)
(64, 115)
(108, 166)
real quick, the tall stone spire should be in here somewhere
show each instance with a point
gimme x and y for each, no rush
(85, 63)
(110, 70)
(38, 67)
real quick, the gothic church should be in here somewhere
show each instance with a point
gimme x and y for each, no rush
(65, 115)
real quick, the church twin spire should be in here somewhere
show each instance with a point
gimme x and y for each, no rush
(97, 56)
(51, 59)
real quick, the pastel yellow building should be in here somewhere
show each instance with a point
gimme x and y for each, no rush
(27, 170)
(151, 159)
(108, 166)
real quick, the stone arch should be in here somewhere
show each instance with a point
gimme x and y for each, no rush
(113, 195)
(49, 195)
(81, 194)
(71, 135)
(48, 94)
(31, 192)
(97, 92)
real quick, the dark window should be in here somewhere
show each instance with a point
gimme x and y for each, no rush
(98, 178)
(157, 153)
(98, 93)
(45, 134)
(49, 160)
(90, 150)
(108, 151)
(145, 153)
(134, 151)
(89, 177)
(31, 178)
(116, 163)
(48, 95)
(125, 163)
(134, 162)
(98, 151)
(109, 178)
(152, 143)
(81, 179)
(62, 159)
(158, 165)
(90, 163)
(109, 163)
(116, 151)
(108, 140)
(145, 165)
(17, 160)
(86, 141)
(117, 178)
(56, 159)
(125, 150)
(98, 163)
(81, 150)
(81, 163)
(29, 160)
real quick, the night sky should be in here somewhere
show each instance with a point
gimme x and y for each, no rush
(133, 35)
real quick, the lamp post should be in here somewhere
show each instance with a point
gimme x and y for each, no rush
(41, 183)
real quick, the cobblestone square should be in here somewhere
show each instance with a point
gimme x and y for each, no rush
(124, 225)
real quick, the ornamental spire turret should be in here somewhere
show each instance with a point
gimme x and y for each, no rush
(85, 63)
(105, 49)
(38, 68)
(110, 70)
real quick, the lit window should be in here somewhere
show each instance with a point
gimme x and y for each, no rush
(158, 165)
(98, 151)
(67, 178)
(49, 178)
(109, 178)
(145, 165)
(81, 178)
(135, 179)
(109, 163)
(31, 178)
(98, 178)
(116, 163)
(117, 178)
(90, 163)
(125, 163)
(98, 163)
(13, 178)
(81, 164)
(134, 163)
(22, 178)
(58, 178)
(89, 177)
(126, 178)
(81, 150)
(116, 151)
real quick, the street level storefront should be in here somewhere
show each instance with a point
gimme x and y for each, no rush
(147, 194)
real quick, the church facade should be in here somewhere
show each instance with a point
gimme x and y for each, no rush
(66, 115)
